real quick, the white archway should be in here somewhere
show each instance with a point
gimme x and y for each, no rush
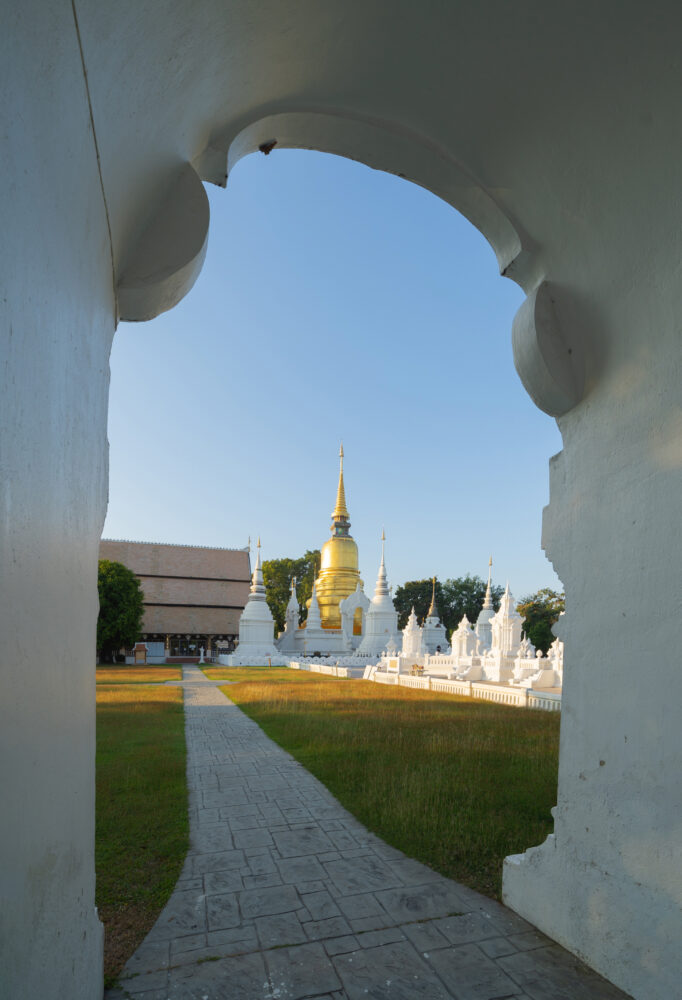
(555, 132)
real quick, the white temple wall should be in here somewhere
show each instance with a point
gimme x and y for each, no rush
(616, 860)
(57, 319)
(556, 135)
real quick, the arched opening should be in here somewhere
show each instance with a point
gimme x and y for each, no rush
(422, 363)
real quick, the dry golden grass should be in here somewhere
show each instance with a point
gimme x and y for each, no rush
(137, 675)
(142, 831)
(248, 673)
(455, 782)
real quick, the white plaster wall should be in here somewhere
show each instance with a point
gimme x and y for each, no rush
(57, 319)
(616, 860)
(556, 130)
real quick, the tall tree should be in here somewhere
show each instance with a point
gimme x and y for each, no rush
(277, 575)
(539, 612)
(120, 608)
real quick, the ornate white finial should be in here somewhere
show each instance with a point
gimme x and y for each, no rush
(381, 589)
(257, 584)
(488, 599)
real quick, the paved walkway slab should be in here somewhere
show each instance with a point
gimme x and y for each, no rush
(285, 896)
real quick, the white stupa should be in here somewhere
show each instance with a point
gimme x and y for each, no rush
(483, 628)
(256, 626)
(506, 626)
(315, 639)
(434, 636)
(412, 637)
(463, 639)
(286, 643)
(381, 620)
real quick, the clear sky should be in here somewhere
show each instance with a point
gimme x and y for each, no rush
(337, 303)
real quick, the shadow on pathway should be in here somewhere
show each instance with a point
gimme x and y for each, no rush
(284, 895)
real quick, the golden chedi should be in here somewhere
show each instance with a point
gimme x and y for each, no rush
(339, 574)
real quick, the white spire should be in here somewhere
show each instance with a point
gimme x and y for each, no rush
(293, 597)
(507, 602)
(257, 585)
(412, 636)
(488, 601)
(381, 621)
(313, 620)
(381, 589)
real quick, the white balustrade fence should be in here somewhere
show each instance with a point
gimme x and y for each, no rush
(500, 693)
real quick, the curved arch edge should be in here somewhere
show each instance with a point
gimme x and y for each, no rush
(550, 364)
(168, 257)
(383, 146)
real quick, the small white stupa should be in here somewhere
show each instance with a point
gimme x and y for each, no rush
(287, 639)
(412, 637)
(381, 620)
(463, 639)
(506, 626)
(434, 636)
(499, 661)
(256, 626)
(483, 628)
(314, 637)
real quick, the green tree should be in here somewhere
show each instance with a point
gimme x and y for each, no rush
(455, 598)
(277, 574)
(539, 612)
(120, 608)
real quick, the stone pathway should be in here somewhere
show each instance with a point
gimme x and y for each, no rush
(284, 895)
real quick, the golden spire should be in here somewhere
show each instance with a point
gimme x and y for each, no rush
(340, 510)
(433, 610)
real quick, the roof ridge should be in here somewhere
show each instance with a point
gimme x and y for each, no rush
(178, 545)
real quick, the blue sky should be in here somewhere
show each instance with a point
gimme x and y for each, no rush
(336, 303)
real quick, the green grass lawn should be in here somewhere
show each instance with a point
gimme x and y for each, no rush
(141, 836)
(455, 782)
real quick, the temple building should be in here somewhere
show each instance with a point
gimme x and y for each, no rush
(335, 623)
(193, 595)
(341, 620)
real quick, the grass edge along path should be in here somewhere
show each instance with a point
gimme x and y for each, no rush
(456, 783)
(142, 823)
